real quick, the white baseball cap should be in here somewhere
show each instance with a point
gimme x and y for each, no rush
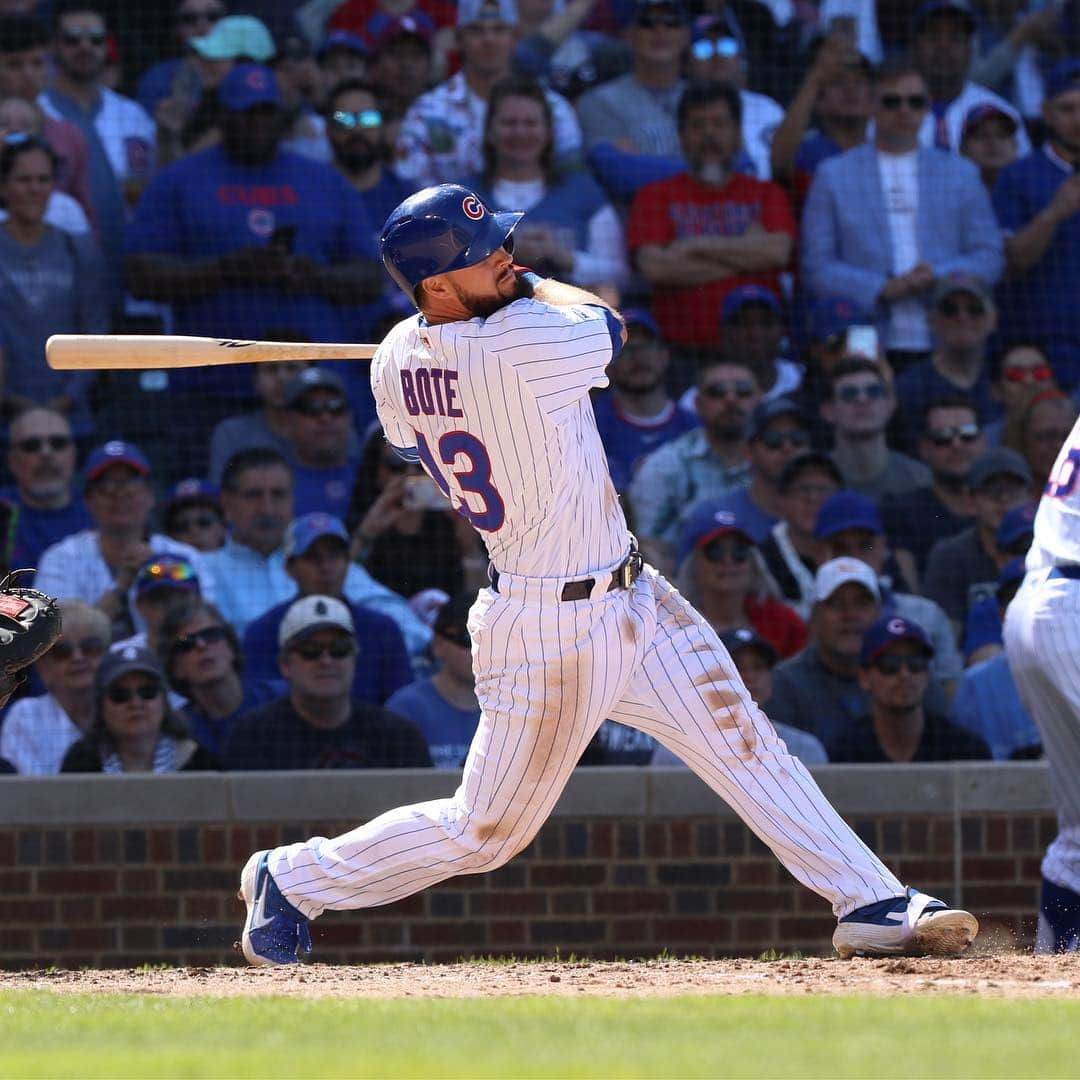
(836, 572)
(314, 613)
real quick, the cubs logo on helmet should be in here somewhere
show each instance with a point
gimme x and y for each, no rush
(473, 207)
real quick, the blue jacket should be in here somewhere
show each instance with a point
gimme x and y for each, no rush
(846, 244)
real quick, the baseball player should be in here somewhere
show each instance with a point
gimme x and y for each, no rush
(1043, 649)
(488, 388)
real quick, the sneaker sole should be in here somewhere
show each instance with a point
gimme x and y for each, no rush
(947, 934)
(248, 877)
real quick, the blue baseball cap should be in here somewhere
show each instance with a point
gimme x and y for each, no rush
(744, 637)
(345, 40)
(114, 452)
(640, 317)
(831, 315)
(987, 110)
(1018, 522)
(888, 630)
(305, 530)
(1063, 76)
(847, 510)
(952, 7)
(165, 571)
(706, 522)
(248, 85)
(765, 412)
(193, 489)
(744, 295)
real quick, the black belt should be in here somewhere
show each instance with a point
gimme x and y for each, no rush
(1070, 572)
(622, 577)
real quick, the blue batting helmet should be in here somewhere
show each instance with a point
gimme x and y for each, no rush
(440, 229)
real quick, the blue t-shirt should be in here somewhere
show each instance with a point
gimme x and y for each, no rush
(205, 206)
(382, 662)
(213, 734)
(1041, 304)
(815, 149)
(920, 383)
(987, 704)
(325, 490)
(37, 529)
(449, 730)
(628, 441)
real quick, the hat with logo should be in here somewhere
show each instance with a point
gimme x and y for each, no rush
(765, 412)
(979, 114)
(1016, 524)
(305, 530)
(236, 36)
(847, 510)
(641, 317)
(960, 282)
(888, 630)
(114, 452)
(312, 613)
(193, 489)
(313, 378)
(451, 621)
(474, 11)
(248, 85)
(165, 572)
(1001, 461)
(1063, 76)
(831, 315)
(705, 523)
(746, 638)
(843, 571)
(345, 40)
(383, 29)
(744, 296)
(123, 661)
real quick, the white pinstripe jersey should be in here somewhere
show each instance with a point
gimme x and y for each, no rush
(1057, 521)
(498, 412)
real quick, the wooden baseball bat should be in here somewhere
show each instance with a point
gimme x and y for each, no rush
(121, 352)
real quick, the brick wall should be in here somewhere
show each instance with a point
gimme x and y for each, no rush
(634, 881)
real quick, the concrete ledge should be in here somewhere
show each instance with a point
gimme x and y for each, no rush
(592, 792)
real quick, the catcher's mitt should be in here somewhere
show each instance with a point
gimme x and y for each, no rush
(29, 624)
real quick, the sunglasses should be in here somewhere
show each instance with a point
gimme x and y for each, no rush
(210, 636)
(76, 37)
(719, 550)
(194, 18)
(336, 650)
(891, 663)
(90, 647)
(329, 407)
(365, 118)
(706, 49)
(121, 695)
(34, 444)
(951, 308)
(170, 571)
(668, 22)
(195, 521)
(915, 102)
(946, 436)
(740, 389)
(871, 392)
(1039, 373)
(777, 440)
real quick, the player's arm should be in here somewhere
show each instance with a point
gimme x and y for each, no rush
(560, 294)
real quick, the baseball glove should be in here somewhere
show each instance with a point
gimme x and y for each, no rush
(29, 624)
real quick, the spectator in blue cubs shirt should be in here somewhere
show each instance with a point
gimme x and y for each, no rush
(1037, 200)
(444, 706)
(638, 415)
(246, 236)
(317, 559)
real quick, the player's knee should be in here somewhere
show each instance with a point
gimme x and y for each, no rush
(487, 842)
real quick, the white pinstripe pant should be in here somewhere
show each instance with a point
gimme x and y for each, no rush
(548, 673)
(1042, 641)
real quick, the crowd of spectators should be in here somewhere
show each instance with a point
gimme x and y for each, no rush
(846, 240)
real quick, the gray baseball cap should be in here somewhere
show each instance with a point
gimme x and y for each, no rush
(313, 378)
(967, 283)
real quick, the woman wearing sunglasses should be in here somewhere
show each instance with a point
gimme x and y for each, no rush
(204, 662)
(1019, 370)
(38, 731)
(722, 573)
(133, 729)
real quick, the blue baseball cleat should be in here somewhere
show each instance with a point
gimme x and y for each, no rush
(274, 930)
(911, 925)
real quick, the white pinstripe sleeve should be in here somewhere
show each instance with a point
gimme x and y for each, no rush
(386, 393)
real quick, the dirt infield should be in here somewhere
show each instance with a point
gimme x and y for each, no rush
(1004, 975)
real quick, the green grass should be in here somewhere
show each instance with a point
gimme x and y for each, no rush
(60, 1035)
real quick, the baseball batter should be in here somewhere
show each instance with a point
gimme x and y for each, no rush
(488, 387)
(1042, 641)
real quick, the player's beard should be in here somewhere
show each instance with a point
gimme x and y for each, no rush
(483, 307)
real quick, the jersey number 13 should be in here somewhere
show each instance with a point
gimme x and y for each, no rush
(475, 480)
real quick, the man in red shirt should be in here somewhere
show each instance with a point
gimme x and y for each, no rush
(704, 232)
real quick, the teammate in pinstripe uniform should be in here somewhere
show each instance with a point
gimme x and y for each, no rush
(1042, 642)
(488, 387)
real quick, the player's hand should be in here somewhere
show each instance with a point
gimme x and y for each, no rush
(1066, 200)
